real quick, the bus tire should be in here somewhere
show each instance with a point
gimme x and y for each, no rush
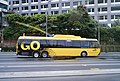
(36, 54)
(44, 54)
(84, 54)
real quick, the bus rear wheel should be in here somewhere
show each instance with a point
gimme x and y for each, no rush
(36, 54)
(44, 54)
(84, 54)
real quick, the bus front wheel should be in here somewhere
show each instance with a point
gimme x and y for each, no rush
(84, 54)
(44, 54)
(36, 54)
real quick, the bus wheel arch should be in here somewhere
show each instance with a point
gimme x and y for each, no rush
(44, 54)
(84, 54)
(36, 54)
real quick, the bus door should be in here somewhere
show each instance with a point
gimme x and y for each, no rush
(69, 48)
(95, 49)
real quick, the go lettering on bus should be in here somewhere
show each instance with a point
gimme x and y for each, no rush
(27, 47)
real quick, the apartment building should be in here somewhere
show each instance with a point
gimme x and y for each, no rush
(3, 5)
(104, 11)
(3, 11)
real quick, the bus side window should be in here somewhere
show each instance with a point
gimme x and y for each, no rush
(26, 41)
(68, 43)
(43, 44)
(19, 41)
(52, 43)
(61, 43)
(84, 44)
(76, 44)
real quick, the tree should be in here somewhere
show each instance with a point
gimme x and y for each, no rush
(116, 23)
(15, 30)
(77, 22)
(110, 35)
(115, 31)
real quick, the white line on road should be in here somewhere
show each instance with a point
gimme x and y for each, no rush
(58, 73)
(63, 65)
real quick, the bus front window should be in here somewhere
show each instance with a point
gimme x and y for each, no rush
(94, 44)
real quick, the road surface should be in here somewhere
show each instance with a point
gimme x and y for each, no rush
(105, 67)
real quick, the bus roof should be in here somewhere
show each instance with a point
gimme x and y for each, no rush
(56, 37)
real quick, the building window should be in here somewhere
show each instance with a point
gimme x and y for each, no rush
(44, 6)
(16, 9)
(92, 17)
(90, 9)
(112, 0)
(15, 2)
(34, 7)
(102, 1)
(102, 9)
(77, 3)
(55, 5)
(115, 8)
(54, 12)
(34, 13)
(42, 12)
(87, 2)
(24, 1)
(115, 16)
(44, 0)
(9, 3)
(3, 6)
(24, 14)
(65, 11)
(115, 1)
(65, 4)
(25, 8)
(112, 17)
(34, 0)
(103, 17)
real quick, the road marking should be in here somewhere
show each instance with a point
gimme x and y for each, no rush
(58, 73)
(94, 68)
(63, 65)
(26, 61)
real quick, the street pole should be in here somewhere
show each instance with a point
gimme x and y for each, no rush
(99, 33)
(46, 23)
(47, 18)
(1, 29)
(98, 29)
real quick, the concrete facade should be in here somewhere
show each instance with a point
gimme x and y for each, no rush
(104, 11)
(3, 10)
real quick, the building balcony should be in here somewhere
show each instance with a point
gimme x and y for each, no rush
(4, 2)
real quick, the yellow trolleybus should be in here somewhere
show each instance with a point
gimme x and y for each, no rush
(58, 45)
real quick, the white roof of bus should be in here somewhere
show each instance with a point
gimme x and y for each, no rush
(55, 38)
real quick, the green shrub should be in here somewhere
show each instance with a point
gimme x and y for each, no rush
(8, 49)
